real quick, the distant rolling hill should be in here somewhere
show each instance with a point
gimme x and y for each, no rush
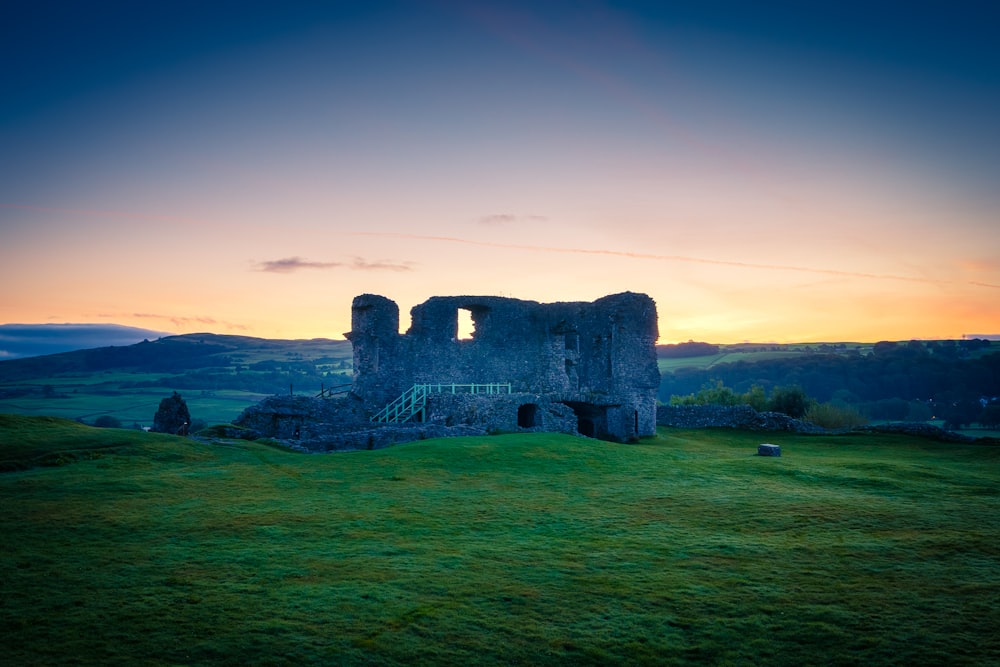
(18, 341)
(218, 375)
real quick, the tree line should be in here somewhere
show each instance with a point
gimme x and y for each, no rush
(913, 381)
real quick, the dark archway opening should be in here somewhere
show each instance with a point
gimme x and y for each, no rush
(591, 420)
(527, 415)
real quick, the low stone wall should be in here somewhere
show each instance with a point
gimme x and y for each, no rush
(737, 416)
(919, 429)
(745, 417)
(308, 424)
(303, 417)
(379, 437)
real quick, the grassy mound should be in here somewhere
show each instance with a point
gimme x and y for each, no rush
(28, 441)
(534, 549)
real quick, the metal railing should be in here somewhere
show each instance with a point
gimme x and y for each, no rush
(414, 400)
(330, 392)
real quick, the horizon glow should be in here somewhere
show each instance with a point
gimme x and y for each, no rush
(793, 175)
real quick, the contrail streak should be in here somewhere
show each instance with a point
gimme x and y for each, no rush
(662, 258)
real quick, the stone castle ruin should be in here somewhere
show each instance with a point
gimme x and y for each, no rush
(587, 368)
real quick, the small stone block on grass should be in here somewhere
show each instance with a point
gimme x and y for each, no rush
(767, 449)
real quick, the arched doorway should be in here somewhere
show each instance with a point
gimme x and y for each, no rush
(527, 415)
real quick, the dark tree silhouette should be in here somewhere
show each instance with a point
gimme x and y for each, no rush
(172, 416)
(959, 409)
(990, 416)
(107, 421)
(791, 401)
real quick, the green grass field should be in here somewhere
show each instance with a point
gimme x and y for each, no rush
(515, 549)
(132, 405)
(754, 352)
(750, 353)
(707, 361)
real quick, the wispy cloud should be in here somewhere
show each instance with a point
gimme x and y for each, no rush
(980, 269)
(509, 218)
(293, 264)
(667, 258)
(361, 264)
(178, 321)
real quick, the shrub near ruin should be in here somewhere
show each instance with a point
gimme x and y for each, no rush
(832, 416)
(172, 416)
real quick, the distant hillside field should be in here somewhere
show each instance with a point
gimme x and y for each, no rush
(669, 360)
(532, 549)
(218, 376)
(956, 382)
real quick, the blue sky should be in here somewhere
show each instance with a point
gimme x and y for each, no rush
(765, 171)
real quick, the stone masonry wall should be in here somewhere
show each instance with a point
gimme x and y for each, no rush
(745, 417)
(737, 416)
(505, 412)
(597, 358)
(303, 417)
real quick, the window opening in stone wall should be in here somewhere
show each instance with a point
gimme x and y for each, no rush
(636, 421)
(527, 415)
(466, 325)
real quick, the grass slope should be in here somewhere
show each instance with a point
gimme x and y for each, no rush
(27, 442)
(531, 549)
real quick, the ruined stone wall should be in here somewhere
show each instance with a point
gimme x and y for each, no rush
(598, 358)
(303, 417)
(741, 417)
(374, 336)
(502, 413)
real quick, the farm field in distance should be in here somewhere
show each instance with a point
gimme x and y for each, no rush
(218, 376)
(533, 549)
(130, 406)
(754, 352)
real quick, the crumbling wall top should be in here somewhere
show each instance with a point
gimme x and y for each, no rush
(374, 315)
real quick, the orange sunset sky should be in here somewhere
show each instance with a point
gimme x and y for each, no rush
(798, 172)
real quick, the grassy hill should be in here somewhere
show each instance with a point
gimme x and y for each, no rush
(218, 376)
(528, 549)
(755, 352)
